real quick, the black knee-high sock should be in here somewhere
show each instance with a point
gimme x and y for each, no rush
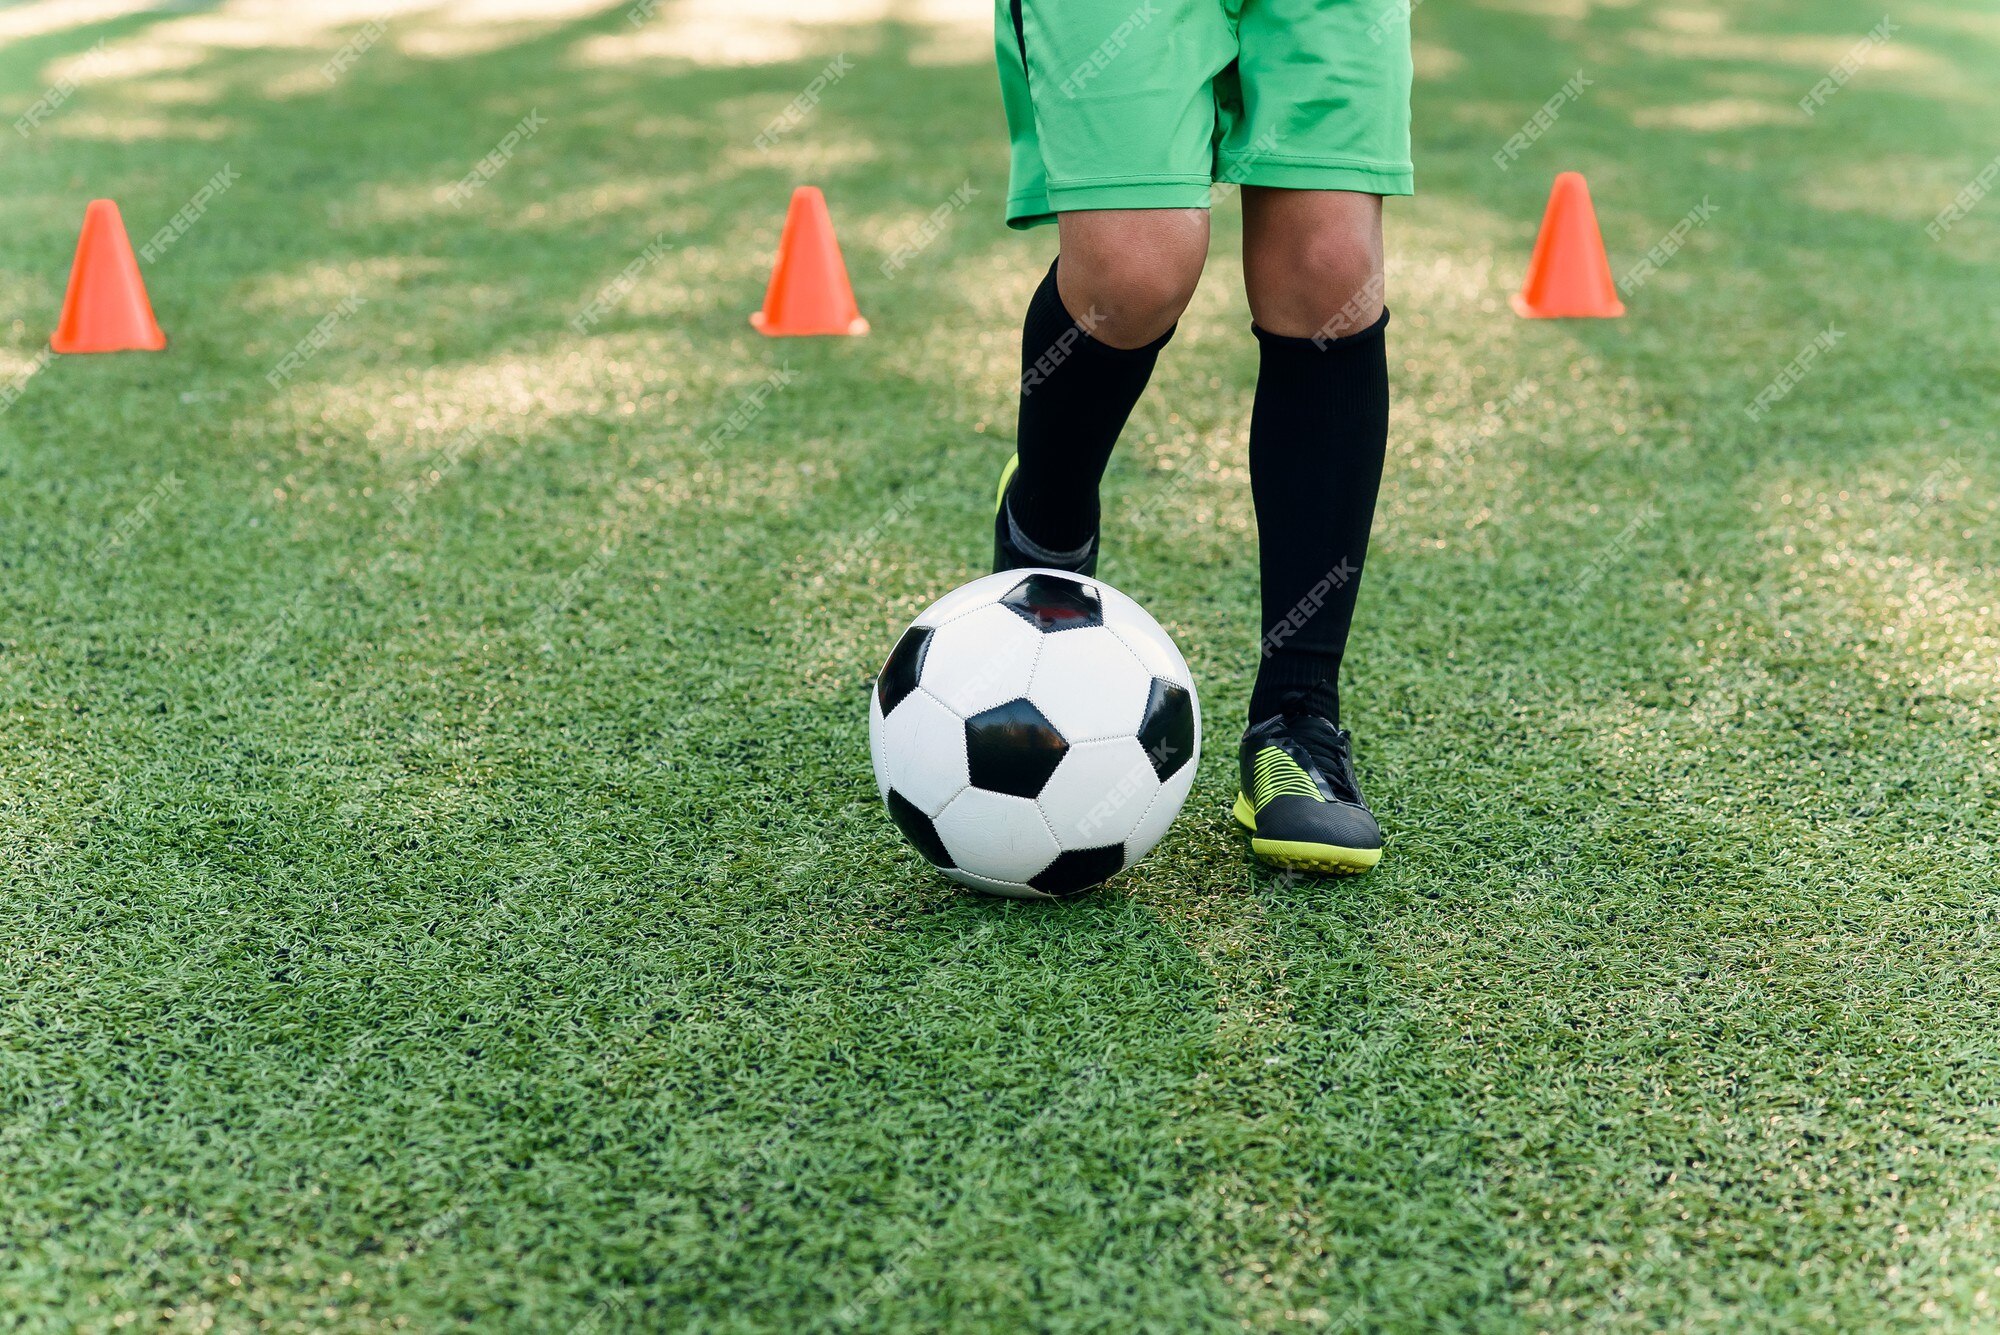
(1318, 432)
(1075, 396)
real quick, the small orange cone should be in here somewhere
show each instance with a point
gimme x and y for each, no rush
(105, 309)
(809, 292)
(1569, 273)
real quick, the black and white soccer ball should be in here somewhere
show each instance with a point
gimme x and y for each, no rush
(1034, 733)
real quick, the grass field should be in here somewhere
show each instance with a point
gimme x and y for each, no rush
(443, 880)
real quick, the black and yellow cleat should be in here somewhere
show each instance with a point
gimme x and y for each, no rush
(1008, 552)
(1299, 797)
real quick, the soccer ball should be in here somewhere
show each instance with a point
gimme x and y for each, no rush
(1034, 733)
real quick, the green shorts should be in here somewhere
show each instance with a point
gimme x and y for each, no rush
(1143, 104)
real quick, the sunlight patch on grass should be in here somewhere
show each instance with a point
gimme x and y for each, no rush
(40, 18)
(633, 197)
(475, 27)
(111, 127)
(1896, 186)
(1434, 60)
(18, 362)
(321, 286)
(1428, 281)
(764, 32)
(413, 412)
(400, 202)
(804, 156)
(1574, 10)
(1809, 52)
(1940, 619)
(1728, 113)
(1972, 21)
(184, 41)
(177, 92)
(1861, 548)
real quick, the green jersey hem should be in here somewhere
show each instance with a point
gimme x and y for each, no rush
(1367, 178)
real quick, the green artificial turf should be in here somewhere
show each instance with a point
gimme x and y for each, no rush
(443, 881)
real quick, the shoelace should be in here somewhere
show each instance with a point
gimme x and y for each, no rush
(1327, 744)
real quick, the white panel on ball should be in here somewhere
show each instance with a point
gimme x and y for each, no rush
(1160, 815)
(1089, 685)
(995, 835)
(981, 659)
(966, 597)
(1099, 792)
(1144, 637)
(986, 885)
(876, 755)
(924, 746)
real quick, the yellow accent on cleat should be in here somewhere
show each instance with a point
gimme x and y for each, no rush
(1293, 855)
(1006, 476)
(1278, 775)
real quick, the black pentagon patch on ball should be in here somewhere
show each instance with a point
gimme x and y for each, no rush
(1167, 731)
(1077, 870)
(905, 665)
(1012, 748)
(1053, 603)
(917, 828)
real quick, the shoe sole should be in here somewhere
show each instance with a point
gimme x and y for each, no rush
(1297, 855)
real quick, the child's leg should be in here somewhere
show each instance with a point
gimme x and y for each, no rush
(1312, 262)
(1093, 331)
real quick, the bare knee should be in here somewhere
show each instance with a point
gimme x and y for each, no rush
(1312, 262)
(1128, 274)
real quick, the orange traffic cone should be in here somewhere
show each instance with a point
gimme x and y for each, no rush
(105, 309)
(1569, 273)
(809, 292)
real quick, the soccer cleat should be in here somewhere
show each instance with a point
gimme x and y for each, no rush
(1007, 554)
(1299, 797)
